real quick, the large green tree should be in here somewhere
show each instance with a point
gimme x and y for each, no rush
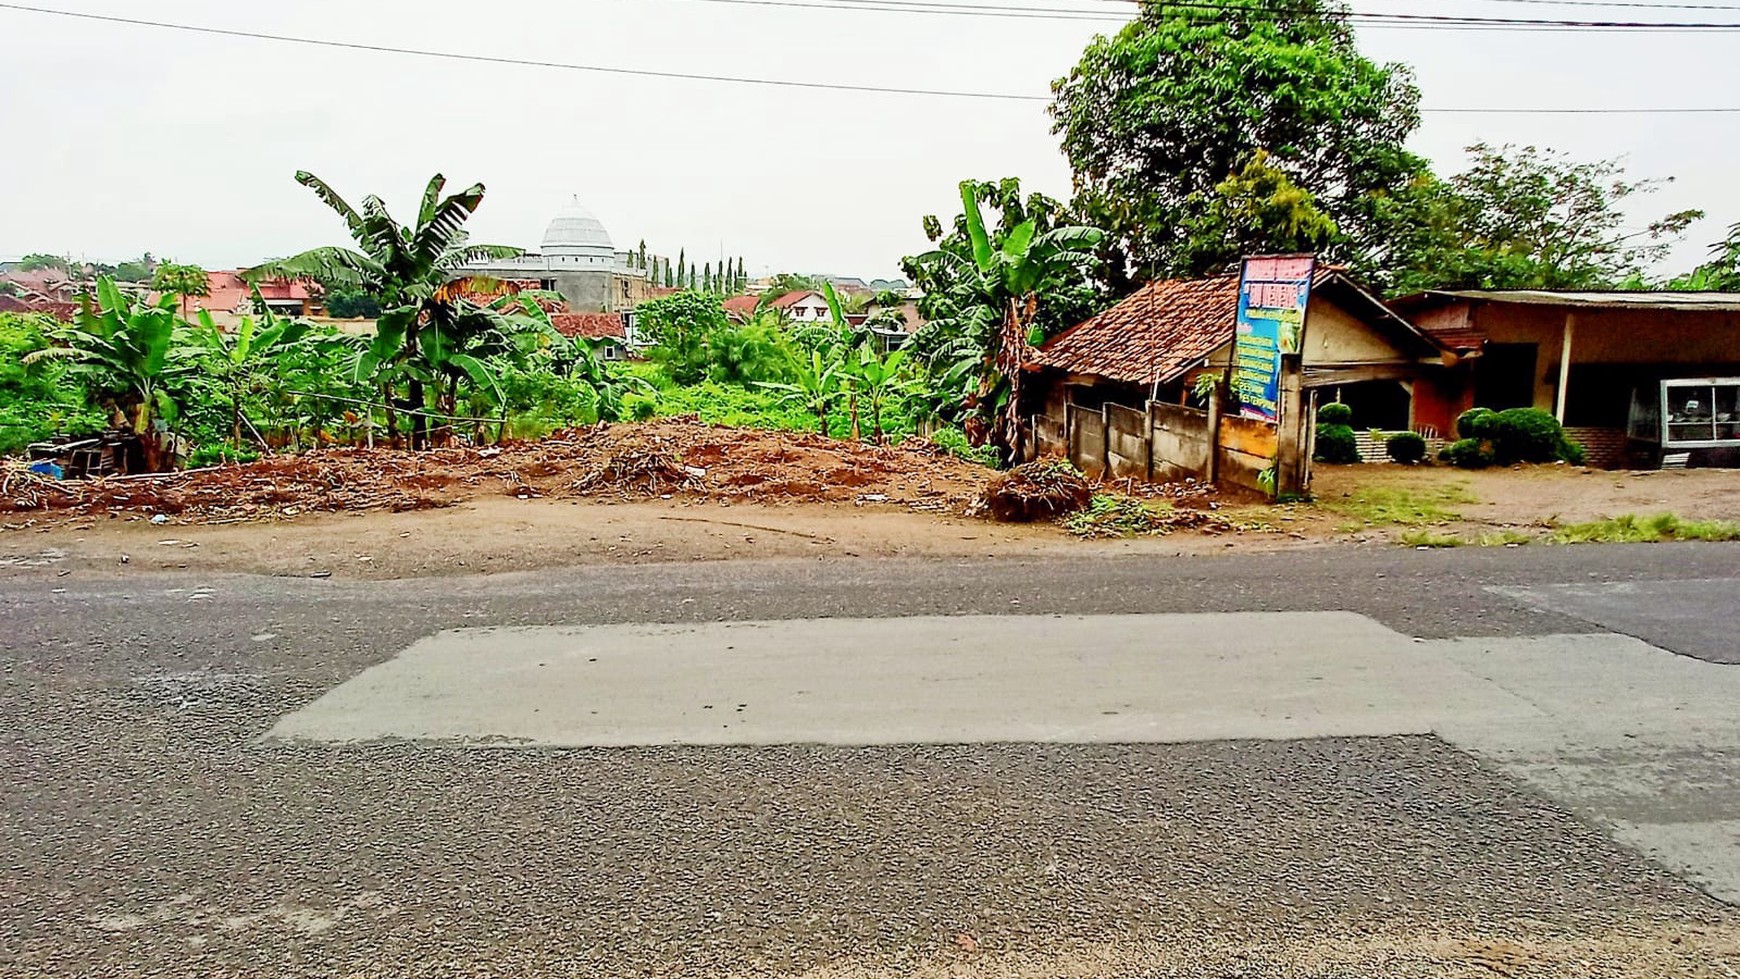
(1719, 273)
(1529, 218)
(1156, 118)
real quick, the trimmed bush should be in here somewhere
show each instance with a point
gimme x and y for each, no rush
(1475, 423)
(1406, 447)
(1467, 454)
(1572, 452)
(1336, 443)
(1525, 435)
(1334, 413)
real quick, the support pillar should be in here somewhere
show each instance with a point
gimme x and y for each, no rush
(1564, 366)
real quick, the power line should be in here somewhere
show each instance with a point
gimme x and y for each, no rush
(518, 62)
(740, 80)
(1374, 18)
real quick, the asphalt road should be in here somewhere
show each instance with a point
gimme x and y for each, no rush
(149, 826)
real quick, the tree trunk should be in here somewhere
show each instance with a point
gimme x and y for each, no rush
(1011, 355)
(419, 423)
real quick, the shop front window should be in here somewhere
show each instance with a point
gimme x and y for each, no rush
(1702, 411)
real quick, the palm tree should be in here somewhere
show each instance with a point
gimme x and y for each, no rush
(1004, 282)
(128, 348)
(419, 333)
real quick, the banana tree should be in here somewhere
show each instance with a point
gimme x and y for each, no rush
(816, 386)
(405, 268)
(128, 348)
(238, 361)
(1002, 282)
(877, 378)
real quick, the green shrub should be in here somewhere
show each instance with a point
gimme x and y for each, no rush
(954, 442)
(1334, 413)
(1475, 423)
(1406, 447)
(1525, 435)
(1469, 453)
(1336, 443)
(1572, 452)
(41, 400)
(640, 407)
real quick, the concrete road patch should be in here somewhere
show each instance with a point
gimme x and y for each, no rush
(1644, 741)
(1070, 679)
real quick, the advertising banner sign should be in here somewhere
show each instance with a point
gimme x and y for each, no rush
(1274, 291)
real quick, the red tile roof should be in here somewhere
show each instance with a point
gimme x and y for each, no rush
(791, 299)
(227, 293)
(742, 306)
(1156, 334)
(592, 325)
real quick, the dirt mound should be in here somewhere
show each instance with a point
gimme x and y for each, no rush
(668, 457)
(1042, 490)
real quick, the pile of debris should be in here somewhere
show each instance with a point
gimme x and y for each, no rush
(664, 458)
(1047, 489)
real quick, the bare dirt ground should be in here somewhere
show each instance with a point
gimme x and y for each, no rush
(505, 534)
(1527, 499)
(676, 490)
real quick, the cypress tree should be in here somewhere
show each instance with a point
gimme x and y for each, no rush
(643, 254)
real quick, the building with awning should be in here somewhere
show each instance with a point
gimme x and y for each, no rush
(1602, 362)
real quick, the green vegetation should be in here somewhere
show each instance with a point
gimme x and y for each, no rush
(991, 293)
(1335, 439)
(1396, 506)
(1423, 537)
(1505, 538)
(1632, 529)
(1406, 448)
(1200, 133)
(42, 400)
(1515, 435)
(1115, 515)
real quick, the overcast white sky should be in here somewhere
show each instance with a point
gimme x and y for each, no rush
(122, 139)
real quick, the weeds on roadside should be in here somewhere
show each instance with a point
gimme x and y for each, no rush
(1632, 529)
(1422, 537)
(1505, 538)
(1396, 506)
(1115, 516)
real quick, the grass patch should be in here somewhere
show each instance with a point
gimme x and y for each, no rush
(1504, 538)
(1403, 507)
(1421, 537)
(1632, 529)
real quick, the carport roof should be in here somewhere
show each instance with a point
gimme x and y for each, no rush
(1661, 300)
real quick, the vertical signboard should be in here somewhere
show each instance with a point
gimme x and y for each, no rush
(1274, 291)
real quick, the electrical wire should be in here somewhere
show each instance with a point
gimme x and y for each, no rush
(735, 79)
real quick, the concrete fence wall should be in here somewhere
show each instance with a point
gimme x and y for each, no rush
(1164, 443)
(1087, 441)
(1179, 441)
(1126, 443)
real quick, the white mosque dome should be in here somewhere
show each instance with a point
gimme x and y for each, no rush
(576, 231)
